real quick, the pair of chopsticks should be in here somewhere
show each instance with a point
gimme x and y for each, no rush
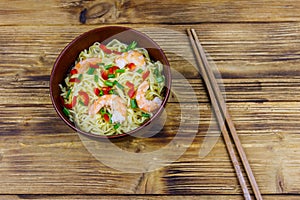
(224, 120)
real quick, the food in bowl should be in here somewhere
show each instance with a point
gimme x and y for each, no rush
(112, 89)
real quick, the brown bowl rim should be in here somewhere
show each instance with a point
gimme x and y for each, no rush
(134, 131)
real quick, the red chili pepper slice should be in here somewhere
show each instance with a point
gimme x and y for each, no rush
(113, 69)
(72, 104)
(95, 66)
(106, 90)
(105, 49)
(74, 80)
(73, 71)
(74, 101)
(97, 91)
(131, 66)
(84, 97)
(131, 93)
(146, 74)
(129, 84)
(117, 52)
(104, 74)
(106, 117)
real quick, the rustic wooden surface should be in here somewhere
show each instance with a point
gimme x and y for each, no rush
(256, 48)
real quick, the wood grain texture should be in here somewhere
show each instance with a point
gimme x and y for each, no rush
(38, 158)
(55, 12)
(255, 48)
(140, 197)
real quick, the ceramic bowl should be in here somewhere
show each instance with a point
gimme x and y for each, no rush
(105, 34)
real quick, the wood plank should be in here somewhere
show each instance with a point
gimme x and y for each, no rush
(238, 50)
(235, 90)
(142, 197)
(39, 158)
(261, 78)
(259, 64)
(54, 12)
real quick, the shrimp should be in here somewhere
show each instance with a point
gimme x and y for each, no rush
(116, 104)
(85, 64)
(130, 57)
(142, 102)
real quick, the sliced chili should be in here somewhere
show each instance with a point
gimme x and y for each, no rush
(97, 91)
(74, 80)
(106, 90)
(131, 93)
(113, 69)
(94, 66)
(84, 97)
(117, 52)
(73, 71)
(129, 84)
(131, 66)
(106, 117)
(72, 104)
(105, 49)
(146, 74)
(104, 74)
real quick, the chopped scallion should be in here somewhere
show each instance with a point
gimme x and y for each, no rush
(68, 94)
(160, 79)
(116, 126)
(140, 71)
(120, 70)
(133, 103)
(108, 66)
(90, 71)
(96, 78)
(102, 111)
(101, 93)
(118, 85)
(131, 46)
(109, 83)
(147, 115)
(111, 76)
(66, 111)
(156, 72)
(81, 103)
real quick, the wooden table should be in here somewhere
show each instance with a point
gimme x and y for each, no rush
(255, 46)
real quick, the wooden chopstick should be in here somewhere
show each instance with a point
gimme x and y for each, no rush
(223, 118)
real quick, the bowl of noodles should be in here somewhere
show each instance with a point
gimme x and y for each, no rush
(110, 82)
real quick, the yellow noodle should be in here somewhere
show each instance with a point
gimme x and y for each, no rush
(96, 123)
